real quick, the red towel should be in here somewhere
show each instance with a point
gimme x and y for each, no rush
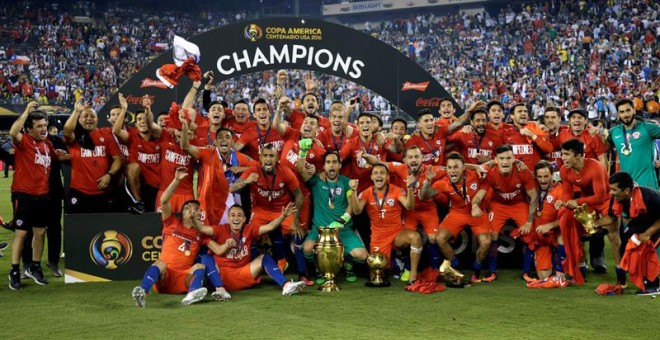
(641, 262)
(571, 231)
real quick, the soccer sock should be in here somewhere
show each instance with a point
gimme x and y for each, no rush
(36, 264)
(561, 256)
(212, 273)
(301, 264)
(151, 276)
(270, 267)
(476, 269)
(454, 262)
(279, 252)
(620, 275)
(197, 280)
(492, 257)
(583, 270)
(434, 255)
(528, 258)
(406, 262)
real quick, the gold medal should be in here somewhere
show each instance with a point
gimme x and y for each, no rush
(331, 204)
(187, 252)
(539, 213)
(625, 152)
(436, 160)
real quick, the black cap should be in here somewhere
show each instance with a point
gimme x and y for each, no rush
(581, 112)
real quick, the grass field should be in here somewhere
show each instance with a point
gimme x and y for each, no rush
(504, 309)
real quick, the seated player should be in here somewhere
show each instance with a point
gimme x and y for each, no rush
(232, 250)
(385, 213)
(175, 272)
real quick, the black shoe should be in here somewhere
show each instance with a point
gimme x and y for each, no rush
(55, 268)
(136, 208)
(651, 291)
(4, 245)
(36, 274)
(598, 264)
(24, 273)
(14, 280)
(9, 226)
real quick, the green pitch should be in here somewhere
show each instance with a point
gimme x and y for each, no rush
(504, 309)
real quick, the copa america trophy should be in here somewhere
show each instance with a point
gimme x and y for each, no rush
(329, 257)
(377, 262)
(587, 217)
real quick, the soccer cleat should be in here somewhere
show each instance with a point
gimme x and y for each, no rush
(320, 278)
(139, 296)
(136, 208)
(350, 274)
(221, 294)
(474, 279)
(283, 264)
(307, 281)
(24, 273)
(527, 278)
(448, 271)
(14, 280)
(37, 275)
(3, 246)
(291, 288)
(196, 295)
(490, 278)
(652, 291)
(55, 268)
(405, 275)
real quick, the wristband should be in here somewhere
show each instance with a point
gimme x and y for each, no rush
(345, 217)
(303, 153)
(349, 193)
(635, 240)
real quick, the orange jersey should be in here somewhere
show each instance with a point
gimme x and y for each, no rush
(171, 158)
(592, 182)
(272, 191)
(432, 149)
(239, 128)
(297, 117)
(359, 168)
(253, 138)
(524, 149)
(212, 185)
(401, 172)
(547, 205)
(87, 166)
(385, 210)
(180, 244)
(240, 255)
(472, 144)
(460, 201)
(332, 142)
(593, 145)
(509, 188)
(289, 158)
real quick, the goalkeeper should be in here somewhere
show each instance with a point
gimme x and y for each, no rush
(330, 192)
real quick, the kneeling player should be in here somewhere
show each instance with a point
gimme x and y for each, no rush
(175, 272)
(385, 214)
(460, 186)
(232, 249)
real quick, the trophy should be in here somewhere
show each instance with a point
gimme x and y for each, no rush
(377, 262)
(329, 257)
(587, 217)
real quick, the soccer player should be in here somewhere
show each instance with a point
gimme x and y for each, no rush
(478, 145)
(552, 120)
(447, 110)
(593, 145)
(30, 190)
(432, 142)
(291, 148)
(399, 127)
(633, 140)
(496, 117)
(240, 121)
(513, 197)
(330, 192)
(252, 140)
(338, 133)
(460, 185)
(589, 176)
(384, 203)
(176, 272)
(95, 161)
(528, 142)
(639, 207)
(232, 252)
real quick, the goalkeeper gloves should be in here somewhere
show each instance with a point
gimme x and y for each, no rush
(305, 145)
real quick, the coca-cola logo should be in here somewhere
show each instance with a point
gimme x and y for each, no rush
(137, 100)
(428, 102)
(407, 86)
(148, 82)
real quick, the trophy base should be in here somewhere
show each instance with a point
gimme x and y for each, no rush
(381, 284)
(329, 286)
(456, 283)
(599, 231)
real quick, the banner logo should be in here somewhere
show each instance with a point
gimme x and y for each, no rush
(252, 32)
(148, 82)
(421, 87)
(110, 249)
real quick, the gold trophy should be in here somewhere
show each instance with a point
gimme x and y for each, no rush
(329, 257)
(587, 217)
(377, 262)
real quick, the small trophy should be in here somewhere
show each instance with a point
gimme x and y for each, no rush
(587, 217)
(377, 262)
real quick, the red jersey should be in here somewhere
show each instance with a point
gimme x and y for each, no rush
(526, 150)
(445, 121)
(238, 127)
(460, 194)
(593, 145)
(272, 192)
(332, 142)
(359, 168)
(592, 182)
(401, 172)
(472, 144)
(297, 117)
(432, 149)
(547, 205)
(385, 210)
(125, 150)
(171, 158)
(240, 255)
(180, 244)
(212, 185)
(511, 188)
(254, 138)
(146, 152)
(289, 158)
(555, 156)
(87, 166)
(32, 166)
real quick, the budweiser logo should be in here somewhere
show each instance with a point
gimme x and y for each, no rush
(137, 100)
(428, 102)
(415, 86)
(148, 82)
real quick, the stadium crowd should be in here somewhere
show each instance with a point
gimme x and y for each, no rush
(270, 161)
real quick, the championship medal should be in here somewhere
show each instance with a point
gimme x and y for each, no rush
(187, 252)
(331, 204)
(625, 152)
(539, 213)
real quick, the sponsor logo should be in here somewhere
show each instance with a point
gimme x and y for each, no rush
(252, 32)
(428, 102)
(421, 87)
(148, 82)
(137, 100)
(110, 249)
(390, 202)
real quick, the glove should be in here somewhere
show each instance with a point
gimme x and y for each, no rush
(305, 145)
(341, 221)
(336, 225)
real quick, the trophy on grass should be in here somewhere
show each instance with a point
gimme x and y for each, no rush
(377, 263)
(329, 257)
(587, 218)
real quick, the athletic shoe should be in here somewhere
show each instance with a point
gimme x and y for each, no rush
(649, 291)
(474, 279)
(598, 264)
(527, 278)
(221, 294)
(136, 208)
(560, 280)
(449, 272)
(24, 273)
(307, 281)
(405, 275)
(283, 264)
(350, 274)
(37, 275)
(55, 268)
(4, 245)
(15, 280)
(490, 278)
(291, 288)
(196, 295)
(139, 296)
(320, 278)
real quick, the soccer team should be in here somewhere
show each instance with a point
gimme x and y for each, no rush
(386, 191)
